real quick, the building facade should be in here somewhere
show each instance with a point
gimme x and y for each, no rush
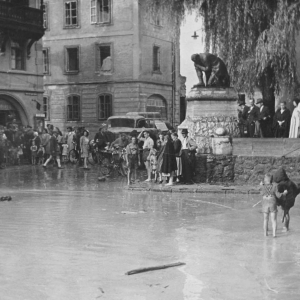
(21, 77)
(108, 57)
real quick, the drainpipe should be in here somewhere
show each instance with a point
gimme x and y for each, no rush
(173, 81)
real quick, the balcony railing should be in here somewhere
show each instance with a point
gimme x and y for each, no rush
(28, 20)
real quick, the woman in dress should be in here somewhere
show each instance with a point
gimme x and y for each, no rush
(54, 150)
(295, 120)
(84, 148)
(45, 142)
(169, 164)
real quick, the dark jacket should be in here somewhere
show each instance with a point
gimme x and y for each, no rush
(284, 183)
(177, 147)
(168, 160)
(253, 114)
(284, 129)
(264, 113)
(243, 115)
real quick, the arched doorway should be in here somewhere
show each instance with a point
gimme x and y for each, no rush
(10, 108)
(157, 103)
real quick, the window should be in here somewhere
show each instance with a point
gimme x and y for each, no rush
(103, 59)
(71, 13)
(72, 59)
(45, 15)
(156, 103)
(46, 61)
(73, 108)
(157, 16)
(104, 106)
(46, 108)
(100, 11)
(17, 56)
(156, 59)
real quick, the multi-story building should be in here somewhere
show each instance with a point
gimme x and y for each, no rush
(21, 77)
(105, 57)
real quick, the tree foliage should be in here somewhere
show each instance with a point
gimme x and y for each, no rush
(255, 38)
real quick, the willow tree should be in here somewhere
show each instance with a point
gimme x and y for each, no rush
(255, 38)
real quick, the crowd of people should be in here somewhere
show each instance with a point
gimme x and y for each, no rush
(256, 120)
(165, 156)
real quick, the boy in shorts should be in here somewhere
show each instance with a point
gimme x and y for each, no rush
(270, 194)
(132, 158)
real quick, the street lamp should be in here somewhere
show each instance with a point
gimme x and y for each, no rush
(195, 35)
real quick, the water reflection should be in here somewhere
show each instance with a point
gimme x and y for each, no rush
(66, 235)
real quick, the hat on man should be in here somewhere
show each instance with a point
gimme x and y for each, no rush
(242, 102)
(260, 100)
(184, 131)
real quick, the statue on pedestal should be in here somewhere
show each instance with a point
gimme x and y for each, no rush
(214, 68)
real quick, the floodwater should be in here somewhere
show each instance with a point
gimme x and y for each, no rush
(65, 236)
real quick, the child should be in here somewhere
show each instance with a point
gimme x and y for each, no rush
(33, 150)
(270, 193)
(20, 154)
(65, 152)
(153, 162)
(284, 183)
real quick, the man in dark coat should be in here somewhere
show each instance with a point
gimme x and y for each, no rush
(281, 123)
(242, 116)
(263, 124)
(252, 117)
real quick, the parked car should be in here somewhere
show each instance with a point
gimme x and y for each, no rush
(154, 120)
(145, 114)
(127, 123)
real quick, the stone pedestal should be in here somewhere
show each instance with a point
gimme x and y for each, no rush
(209, 109)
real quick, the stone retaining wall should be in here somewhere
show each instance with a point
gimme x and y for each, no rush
(242, 169)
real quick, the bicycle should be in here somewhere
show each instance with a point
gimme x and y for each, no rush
(113, 162)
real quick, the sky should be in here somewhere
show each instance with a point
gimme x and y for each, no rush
(189, 46)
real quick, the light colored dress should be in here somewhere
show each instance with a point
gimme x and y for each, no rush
(295, 123)
(69, 140)
(84, 146)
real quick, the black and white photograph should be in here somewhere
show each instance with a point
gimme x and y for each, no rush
(149, 149)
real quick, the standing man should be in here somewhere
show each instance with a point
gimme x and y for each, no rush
(281, 123)
(132, 158)
(188, 150)
(100, 138)
(264, 118)
(242, 116)
(177, 149)
(147, 146)
(252, 117)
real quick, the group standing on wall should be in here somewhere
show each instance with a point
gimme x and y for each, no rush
(256, 120)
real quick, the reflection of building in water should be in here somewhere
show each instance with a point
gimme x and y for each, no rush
(21, 81)
(105, 58)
